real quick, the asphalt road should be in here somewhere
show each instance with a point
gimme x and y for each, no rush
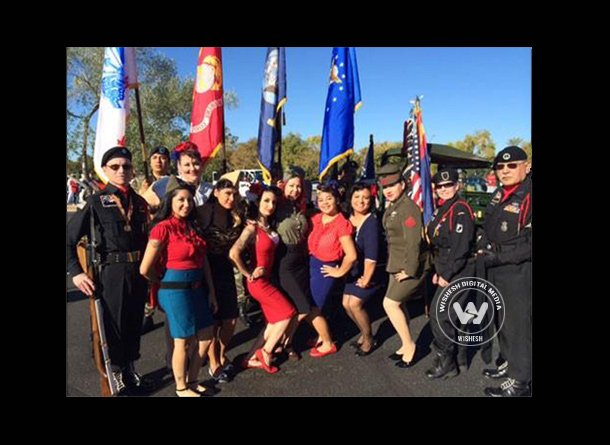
(340, 375)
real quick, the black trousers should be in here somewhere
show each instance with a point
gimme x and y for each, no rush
(515, 337)
(124, 293)
(438, 319)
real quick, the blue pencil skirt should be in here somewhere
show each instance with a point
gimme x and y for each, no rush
(187, 310)
(321, 286)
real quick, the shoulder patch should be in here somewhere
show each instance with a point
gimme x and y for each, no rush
(107, 201)
(410, 222)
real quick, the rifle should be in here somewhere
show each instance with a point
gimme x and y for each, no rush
(101, 355)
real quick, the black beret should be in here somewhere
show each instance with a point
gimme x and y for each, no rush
(116, 152)
(511, 154)
(445, 175)
(389, 174)
(161, 150)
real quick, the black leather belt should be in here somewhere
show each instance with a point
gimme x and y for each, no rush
(180, 284)
(122, 257)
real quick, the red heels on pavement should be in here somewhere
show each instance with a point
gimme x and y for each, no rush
(260, 355)
(315, 352)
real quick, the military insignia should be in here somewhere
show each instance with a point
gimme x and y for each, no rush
(445, 176)
(410, 222)
(504, 226)
(512, 208)
(497, 197)
(506, 156)
(459, 228)
(107, 201)
(393, 214)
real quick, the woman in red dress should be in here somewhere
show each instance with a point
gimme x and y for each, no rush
(262, 239)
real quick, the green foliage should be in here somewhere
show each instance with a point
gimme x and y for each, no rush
(166, 102)
(480, 143)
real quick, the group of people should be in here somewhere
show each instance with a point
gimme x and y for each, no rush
(203, 242)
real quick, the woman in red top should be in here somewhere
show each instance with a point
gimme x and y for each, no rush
(332, 255)
(176, 239)
(262, 240)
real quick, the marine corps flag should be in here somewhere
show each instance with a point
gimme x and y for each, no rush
(207, 118)
(118, 75)
(272, 100)
(342, 101)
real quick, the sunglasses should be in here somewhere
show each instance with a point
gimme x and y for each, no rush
(115, 167)
(511, 166)
(445, 185)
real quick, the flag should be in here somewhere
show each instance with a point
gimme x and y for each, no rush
(118, 75)
(419, 163)
(207, 118)
(369, 162)
(342, 101)
(273, 99)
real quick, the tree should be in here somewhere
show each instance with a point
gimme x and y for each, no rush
(480, 144)
(519, 142)
(165, 98)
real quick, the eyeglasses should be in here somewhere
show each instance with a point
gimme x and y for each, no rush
(446, 185)
(115, 167)
(511, 166)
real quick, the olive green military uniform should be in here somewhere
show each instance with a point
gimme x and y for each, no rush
(407, 250)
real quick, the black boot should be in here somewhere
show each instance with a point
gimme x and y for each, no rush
(497, 373)
(510, 388)
(443, 367)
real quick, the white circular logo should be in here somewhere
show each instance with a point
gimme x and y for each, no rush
(506, 156)
(472, 305)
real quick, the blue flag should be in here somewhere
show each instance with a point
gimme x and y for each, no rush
(342, 101)
(272, 100)
(369, 162)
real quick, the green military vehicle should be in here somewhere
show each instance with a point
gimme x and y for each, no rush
(447, 156)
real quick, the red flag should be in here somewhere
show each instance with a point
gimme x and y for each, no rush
(207, 118)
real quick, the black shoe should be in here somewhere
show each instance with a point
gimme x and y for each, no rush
(402, 364)
(354, 344)
(510, 388)
(395, 356)
(148, 325)
(443, 367)
(134, 380)
(496, 373)
(360, 352)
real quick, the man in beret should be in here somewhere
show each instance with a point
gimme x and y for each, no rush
(506, 251)
(159, 165)
(119, 217)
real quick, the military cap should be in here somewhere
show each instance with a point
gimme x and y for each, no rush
(445, 175)
(116, 152)
(174, 183)
(160, 150)
(294, 172)
(389, 174)
(511, 154)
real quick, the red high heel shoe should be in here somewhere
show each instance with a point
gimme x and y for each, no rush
(315, 352)
(245, 364)
(261, 358)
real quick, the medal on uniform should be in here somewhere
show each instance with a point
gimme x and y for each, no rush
(127, 228)
(126, 215)
(504, 226)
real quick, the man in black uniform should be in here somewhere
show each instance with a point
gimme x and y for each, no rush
(507, 254)
(120, 219)
(451, 234)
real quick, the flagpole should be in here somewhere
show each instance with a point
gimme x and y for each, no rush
(141, 128)
(281, 123)
(224, 144)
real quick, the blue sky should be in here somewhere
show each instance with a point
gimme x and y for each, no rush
(464, 90)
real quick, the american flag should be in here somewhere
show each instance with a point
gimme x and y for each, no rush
(418, 161)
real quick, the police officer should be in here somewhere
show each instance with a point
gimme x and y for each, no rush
(408, 260)
(507, 254)
(451, 233)
(120, 219)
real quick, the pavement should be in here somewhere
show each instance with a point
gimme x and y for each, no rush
(343, 374)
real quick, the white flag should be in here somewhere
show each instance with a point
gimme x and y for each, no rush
(118, 75)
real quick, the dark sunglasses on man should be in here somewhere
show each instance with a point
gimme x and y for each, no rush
(445, 185)
(115, 167)
(510, 166)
